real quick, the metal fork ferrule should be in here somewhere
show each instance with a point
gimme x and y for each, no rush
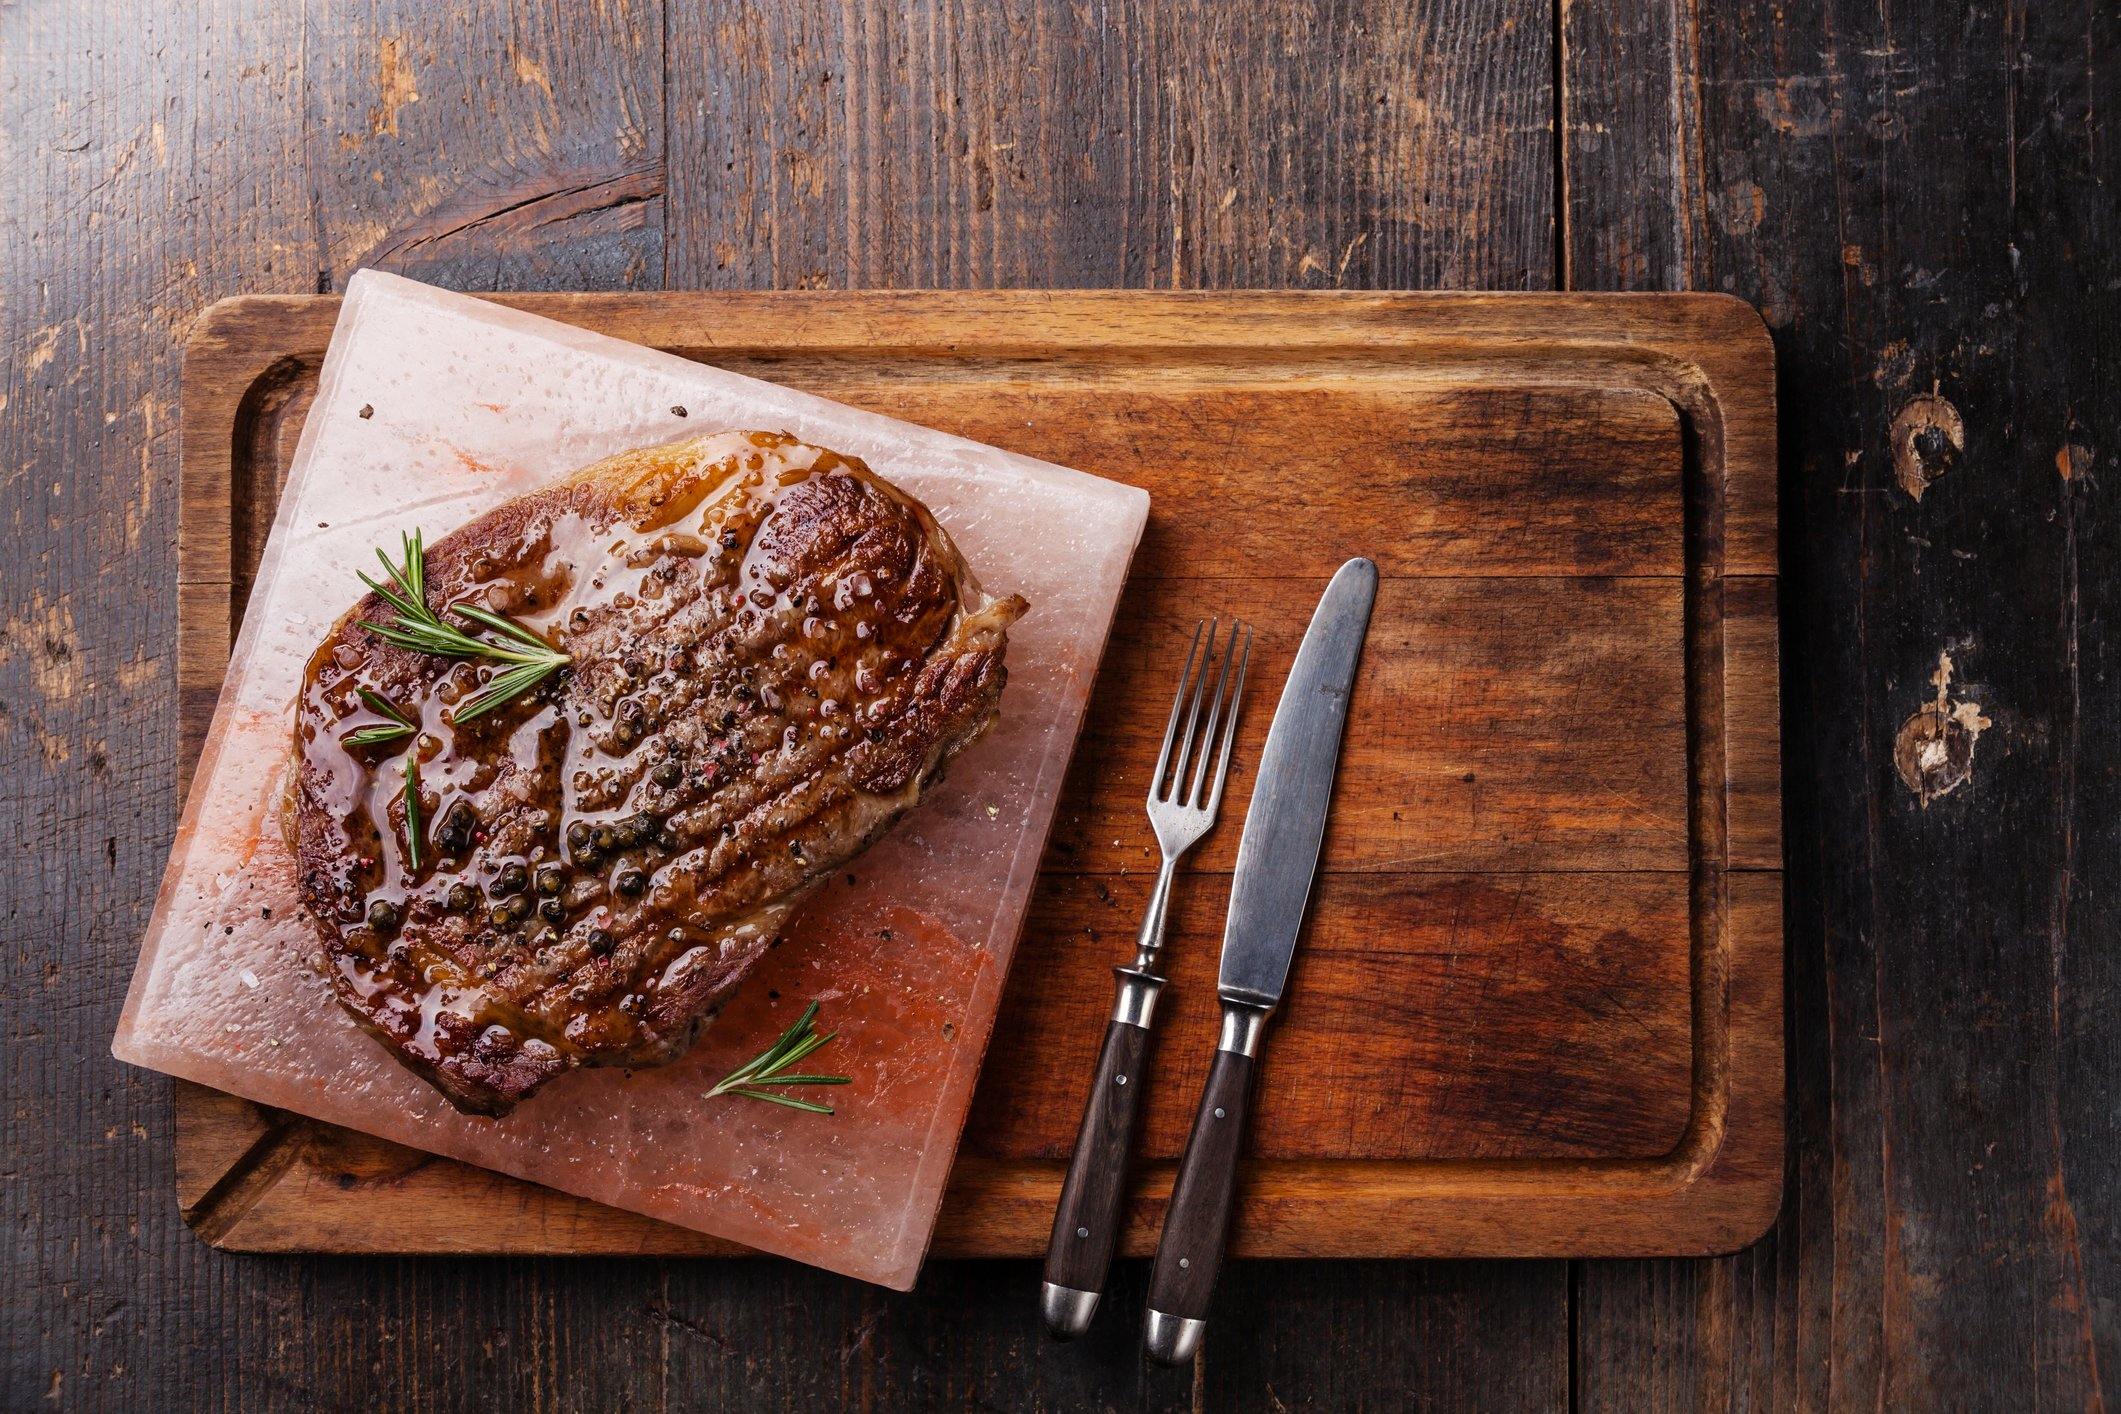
(1138, 991)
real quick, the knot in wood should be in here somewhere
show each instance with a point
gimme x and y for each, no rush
(1928, 438)
(1934, 751)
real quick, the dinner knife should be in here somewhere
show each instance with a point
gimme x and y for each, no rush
(1276, 863)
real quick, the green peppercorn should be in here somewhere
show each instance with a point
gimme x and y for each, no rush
(604, 839)
(499, 916)
(551, 879)
(383, 916)
(513, 879)
(630, 882)
(578, 834)
(462, 898)
(668, 774)
(552, 910)
(600, 942)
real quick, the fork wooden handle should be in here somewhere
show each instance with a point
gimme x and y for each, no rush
(1087, 1222)
(1189, 1255)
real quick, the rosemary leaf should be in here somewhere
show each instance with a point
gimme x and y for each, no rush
(504, 689)
(811, 1080)
(397, 727)
(412, 809)
(790, 1101)
(479, 614)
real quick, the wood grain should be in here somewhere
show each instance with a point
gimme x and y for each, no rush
(1520, 953)
(1136, 144)
(1951, 1020)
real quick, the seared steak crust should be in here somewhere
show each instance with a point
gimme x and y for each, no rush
(773, 652)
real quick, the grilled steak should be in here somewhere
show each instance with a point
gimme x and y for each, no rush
(772, 652)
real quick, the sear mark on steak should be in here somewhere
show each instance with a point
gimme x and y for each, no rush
(774, 652)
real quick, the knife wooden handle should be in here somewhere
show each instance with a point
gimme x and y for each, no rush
(1190, 1254)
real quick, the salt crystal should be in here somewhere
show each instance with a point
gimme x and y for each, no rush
(482, 403)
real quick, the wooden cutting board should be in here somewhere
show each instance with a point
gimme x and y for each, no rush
(1538, 1010)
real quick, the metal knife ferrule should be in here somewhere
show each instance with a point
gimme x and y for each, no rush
(1243, 1024)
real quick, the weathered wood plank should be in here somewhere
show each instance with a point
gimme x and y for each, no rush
(1329, 142)
(132, 189)
(1917, 197)
(490, 147)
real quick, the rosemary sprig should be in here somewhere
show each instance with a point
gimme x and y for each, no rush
(771, 1067)
(398, 726)
(415, 626)
(412, 809)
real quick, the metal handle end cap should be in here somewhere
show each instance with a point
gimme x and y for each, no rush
(1067, 1311)
(1172, 1340)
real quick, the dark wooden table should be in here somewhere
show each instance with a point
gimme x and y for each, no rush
(1920, 197)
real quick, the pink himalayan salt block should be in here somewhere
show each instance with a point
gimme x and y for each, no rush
(432, 408)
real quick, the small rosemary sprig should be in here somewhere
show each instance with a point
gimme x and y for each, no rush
(530, 658)
(771, 1068)
(412, 809)
(398, 726)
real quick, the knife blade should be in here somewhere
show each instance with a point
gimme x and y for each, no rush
(1277, 859)
(1277, 862)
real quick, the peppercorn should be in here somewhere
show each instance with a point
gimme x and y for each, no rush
(551, 879)
(578, 834)
(513, 879)
(630, 882)
(668, 774)
(600, 942)
(552, 910)
(383, 916)
(454, 832)
(462, 898)
(604, 839)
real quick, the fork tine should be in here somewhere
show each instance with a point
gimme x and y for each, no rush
(1178, 702)
(1185, 742)
(1237, 694)
(1193, 795)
